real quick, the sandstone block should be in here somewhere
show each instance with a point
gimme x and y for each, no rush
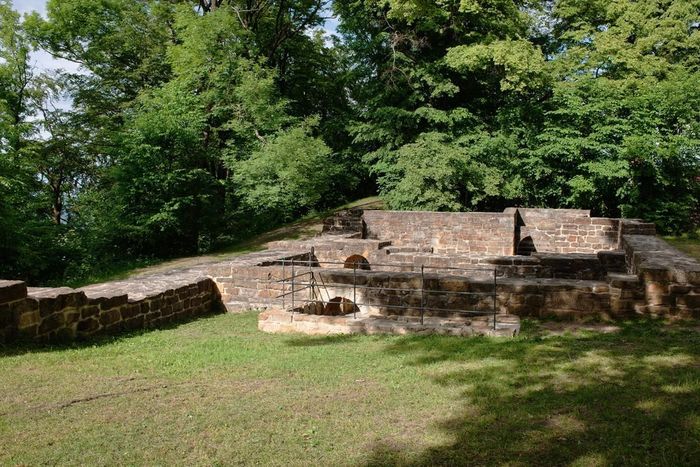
(28, 319)
(135, 323)
(88, 311)
(11, 291)
(689, 301)
(110, 317)
(130, 310)
(52, 323)
(6, 316)
(88, 326)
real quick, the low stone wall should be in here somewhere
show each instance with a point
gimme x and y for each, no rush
(277, 321)
(670, 278)
(388, 294)
(252, 281)
(64, 314)
(647, 277)
(482, 233)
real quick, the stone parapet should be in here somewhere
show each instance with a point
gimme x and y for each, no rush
(64, 314)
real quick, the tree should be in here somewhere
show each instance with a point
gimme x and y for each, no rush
(460, 69)
(28, 245)
(288, 175)
(621, 131)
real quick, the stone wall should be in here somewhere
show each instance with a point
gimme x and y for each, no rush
(446, 232)
(670, 278)
(577, 272)
(567, 230)
(64, 314)
(399, 294)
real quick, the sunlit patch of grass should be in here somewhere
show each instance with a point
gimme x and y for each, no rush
(590, 460)
(565, 424)
(669, 360)
(652, 406)
(686, 387)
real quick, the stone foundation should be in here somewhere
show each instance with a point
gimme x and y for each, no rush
(279, 321)
(572, 267)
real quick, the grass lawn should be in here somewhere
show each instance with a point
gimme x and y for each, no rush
(217, 391)
(304, 228)
(688, 245)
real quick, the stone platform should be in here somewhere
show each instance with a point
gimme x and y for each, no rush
(280, 321)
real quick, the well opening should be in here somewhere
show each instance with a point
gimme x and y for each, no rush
(339, 306)
(357, 262)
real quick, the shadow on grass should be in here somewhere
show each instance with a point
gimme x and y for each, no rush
(24, 347)
(631, 397)
(315, 341)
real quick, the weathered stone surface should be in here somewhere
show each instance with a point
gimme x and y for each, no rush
(11, 291)
(52, 323)
(88, 326)
(28, 319)
(6, 316)
(280, 321)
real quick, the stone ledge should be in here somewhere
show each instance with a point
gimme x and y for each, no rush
(11, 291)
(655, 260)
(64, 314)
(279, 321)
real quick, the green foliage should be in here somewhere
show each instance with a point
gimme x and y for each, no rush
(290, 174)
(621, 132)
(437, 174)
(571, 104)
(192, 127)
(30, 245)
(441, 85)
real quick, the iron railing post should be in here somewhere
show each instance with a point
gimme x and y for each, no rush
(495, 298)
(293, 279)
(311, 281)
(422, 294)
(354, 291)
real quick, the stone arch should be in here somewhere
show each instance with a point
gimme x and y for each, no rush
(526, 247)
(339, 306)
(357, 261)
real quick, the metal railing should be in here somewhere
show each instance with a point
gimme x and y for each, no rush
(308, 275)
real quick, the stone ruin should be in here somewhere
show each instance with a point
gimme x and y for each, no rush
(393, 272)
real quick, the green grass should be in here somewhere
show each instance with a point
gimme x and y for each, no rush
(306, 227)
(687, 244)
(218, 392)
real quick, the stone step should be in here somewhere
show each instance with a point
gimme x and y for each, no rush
(622, 281)
(11, 291)
(392, 250)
